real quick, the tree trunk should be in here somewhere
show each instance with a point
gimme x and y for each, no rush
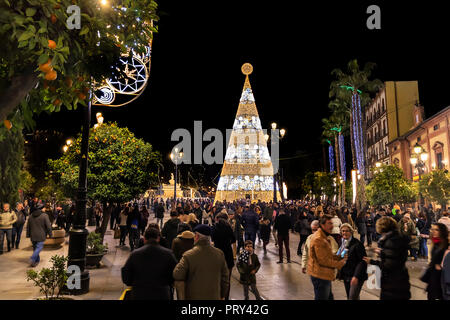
(105, 221)
(20, 86)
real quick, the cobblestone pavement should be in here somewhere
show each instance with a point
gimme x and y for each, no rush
(274, 281)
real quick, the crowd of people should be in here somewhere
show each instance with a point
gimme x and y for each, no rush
(203, 241)
(332, 245)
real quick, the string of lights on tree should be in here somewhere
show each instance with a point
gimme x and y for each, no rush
(357, 131)
(342, 157)
(331, 156)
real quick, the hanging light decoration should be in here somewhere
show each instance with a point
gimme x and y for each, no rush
(357, 132)
(331, 156)
(342, 156)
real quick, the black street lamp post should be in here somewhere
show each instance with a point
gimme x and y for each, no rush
(418, 161)
(78, 232)
(276, 175)
(175, 157)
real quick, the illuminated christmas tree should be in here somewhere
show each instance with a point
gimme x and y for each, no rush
(247, 171)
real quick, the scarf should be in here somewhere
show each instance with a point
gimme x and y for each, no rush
(436, 240)
(244, 256)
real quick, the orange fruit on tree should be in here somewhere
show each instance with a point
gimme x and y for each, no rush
(51, 75)
(57, 102)
(53, 18)
(7, 124)
(57, 6)
(52, 44)
(46, 67)
(82, 96)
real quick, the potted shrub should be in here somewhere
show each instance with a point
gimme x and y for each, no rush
(51, 280)
(95, 249)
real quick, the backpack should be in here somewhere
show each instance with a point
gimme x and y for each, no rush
(134, 224)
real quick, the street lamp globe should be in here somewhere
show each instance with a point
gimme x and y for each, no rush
(98, 115)
(282, 132)
(378, 164)
(274, 125)
(65, 148)
(424, 156)
(413, 161)
(417, 148)
(69, 142)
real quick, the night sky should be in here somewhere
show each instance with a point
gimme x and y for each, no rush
(201, 46)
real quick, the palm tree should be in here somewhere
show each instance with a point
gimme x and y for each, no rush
(331, 131)
(355, 86)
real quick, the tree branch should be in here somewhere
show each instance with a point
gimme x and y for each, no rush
(20, 86)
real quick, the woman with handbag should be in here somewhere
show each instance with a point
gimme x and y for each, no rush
(432, 276)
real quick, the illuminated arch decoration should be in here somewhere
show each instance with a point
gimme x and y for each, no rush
(117, 92)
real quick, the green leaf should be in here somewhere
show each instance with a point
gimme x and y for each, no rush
(30, 12)
(42, 30)
(7, 3)
(43, 58)
(84, 30)
(22, 44)
(25, 36)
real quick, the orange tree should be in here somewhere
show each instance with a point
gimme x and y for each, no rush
(121, 167)
(44, 65)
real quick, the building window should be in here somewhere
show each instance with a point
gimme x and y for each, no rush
(438, 151)
(440, 165)
(418, 139)
(395, 148)
(396, 162)
(436, 127)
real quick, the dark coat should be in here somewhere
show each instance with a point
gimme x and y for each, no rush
(394, 274)
(434, 287)
(282, 224)
(264, 231)
(244, 270)
(21, 218)
(304, 226)
(39, 226)
(160, 211)
(223, 236)
(355, 265)
(361, 225)
(170, 231)
(445, 279)
(180, 246)
(250, 221)
(149, 271)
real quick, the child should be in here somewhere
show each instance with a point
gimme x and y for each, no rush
(248, 264)
(265, 232)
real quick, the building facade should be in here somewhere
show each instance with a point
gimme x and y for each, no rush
(432, 134)
(388, 116)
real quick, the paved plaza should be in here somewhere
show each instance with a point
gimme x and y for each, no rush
(274, 281)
